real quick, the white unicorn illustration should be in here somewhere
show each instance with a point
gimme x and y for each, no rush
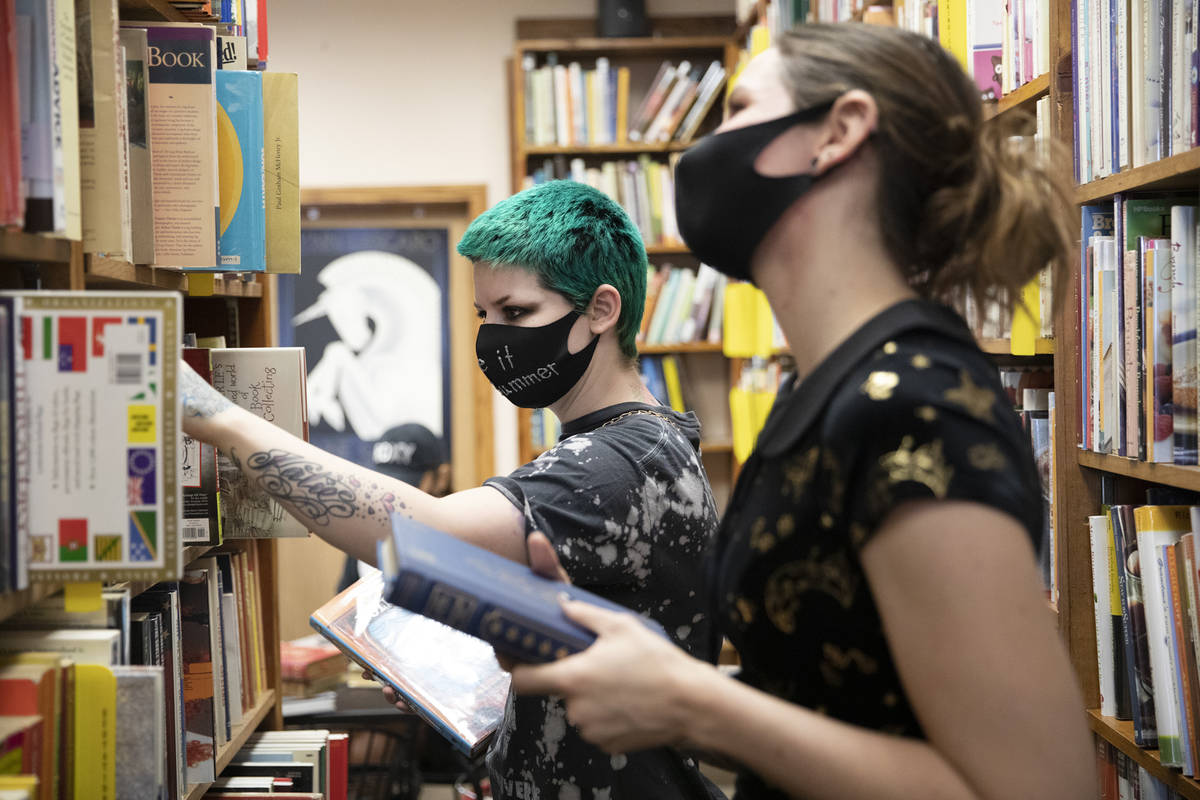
(386, 368)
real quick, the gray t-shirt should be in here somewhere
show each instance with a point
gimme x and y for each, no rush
(625, 500)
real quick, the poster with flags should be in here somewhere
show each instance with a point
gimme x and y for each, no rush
(95, 430)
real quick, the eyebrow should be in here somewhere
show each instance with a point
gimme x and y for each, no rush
(499, 302)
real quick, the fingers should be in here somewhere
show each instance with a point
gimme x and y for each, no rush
(594, 618)
(542, 558)
(541, 679)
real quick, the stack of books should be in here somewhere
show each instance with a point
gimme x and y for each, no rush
(569, 106)
(150, 142)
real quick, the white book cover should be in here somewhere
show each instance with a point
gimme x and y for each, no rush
(97, 424)
(562, 120)
(1137, 83)
(1154, 77)
(141, 732)
(1182, 42)
(83, 645)
(579, 132)
(1123, 126)
(231, 636)
(546, 127)
(1164, 280)
(269, 382)
(1105, 656)
(1157, 527)
(604, 112)
(1104, 92)
(681, 306)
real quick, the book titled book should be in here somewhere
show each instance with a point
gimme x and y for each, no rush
(240, 157)
(450, 679)
(481, 593)
(183, 143)
(137, 108)
(269, 382)
(200, 522)
(96, 423)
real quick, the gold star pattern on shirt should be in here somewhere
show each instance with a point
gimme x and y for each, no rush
(831, 576)
(798, 472)
(925, 464)
(879, 385)
(926, 413)
(976, 400)
(921, 361)
(986, 456)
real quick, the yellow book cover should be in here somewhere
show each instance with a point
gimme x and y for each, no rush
(95, 717)
(654, 180)
(623, 105)
(749, 328)
(28, 783)
(760, 39)
(952, 29)
(1027, 323)
(281, 169)
(670, 370)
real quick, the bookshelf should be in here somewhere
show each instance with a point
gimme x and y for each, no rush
(211, 305)
(700, 39)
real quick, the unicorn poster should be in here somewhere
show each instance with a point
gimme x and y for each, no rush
(370, 309)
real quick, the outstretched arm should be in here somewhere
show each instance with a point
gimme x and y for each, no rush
(345, 504)
(981, 662)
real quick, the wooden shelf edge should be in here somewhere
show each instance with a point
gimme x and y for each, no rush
(100, 271)
(12, 602)
(154, 10)
(250, 722)
(677, 349)
(21, 246)
(1168, 173)
(667, 250)
(1166, 474)
(602, 149)
(1119, 733)
(1003, 347)
(1026, 95)
(648, 44)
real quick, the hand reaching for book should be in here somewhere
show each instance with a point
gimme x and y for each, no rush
(201, 402)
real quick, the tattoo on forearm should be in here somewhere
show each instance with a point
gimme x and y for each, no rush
(317, 493)
(198, 398)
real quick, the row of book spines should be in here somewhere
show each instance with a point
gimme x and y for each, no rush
(663, 376)
(1140, 314)
(309, 764)
(644, 188)
(1144, 573)
(544, 429)
(569, 106)
(1122, 778)
(1136, 94)
(683, 305)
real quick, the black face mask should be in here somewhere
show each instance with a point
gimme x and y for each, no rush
(724, 207)
(532, 367)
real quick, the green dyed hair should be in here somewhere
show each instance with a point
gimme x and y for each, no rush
(574, 238)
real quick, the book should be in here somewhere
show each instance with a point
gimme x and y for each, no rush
(103, 172)
(35, 689)
(163, 599)
(449, 679)
(708, 92)
(12, 197)
(94, 732)
(216, 629)
(199, 682)
(99, 368)
(281, 164)
(1176, 648)
(1183, 333)
(243, 233)
(231, 639)
(1098, 528)
(21, 739)
(141, 196)
(478, 592)
(1186, 568)
(1157, 527)
(50, 116)
(140, 732)
(84, 645)
(269, 382)
(309, 660)
(1137, 641)
(183, 143)
(200, 522)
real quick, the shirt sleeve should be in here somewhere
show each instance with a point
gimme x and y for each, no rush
(573, 494)
(919, 431)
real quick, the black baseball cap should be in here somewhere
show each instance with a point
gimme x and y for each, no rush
(407, 452)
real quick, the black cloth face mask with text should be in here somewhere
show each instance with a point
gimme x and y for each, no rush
(532, 367)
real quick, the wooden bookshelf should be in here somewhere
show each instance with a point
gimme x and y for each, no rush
(676, 349)
(152, 10)
(1179, 477)
(251, 720)
(101, 272)
(649, 45)
(631, 149)
(12, 602)
(21, 246)
(1176, 172)
(1003, 347)
(1120, 734)
(668, 250)
(1024, 98)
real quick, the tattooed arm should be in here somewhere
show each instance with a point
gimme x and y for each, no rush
(345, 504)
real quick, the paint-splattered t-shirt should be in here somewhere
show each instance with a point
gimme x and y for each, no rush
(626, 502)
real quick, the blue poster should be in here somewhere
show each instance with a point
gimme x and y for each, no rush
(370, 308)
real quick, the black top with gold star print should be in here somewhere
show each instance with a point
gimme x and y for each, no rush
(907, 408)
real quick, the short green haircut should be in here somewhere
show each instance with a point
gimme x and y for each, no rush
(574, 238)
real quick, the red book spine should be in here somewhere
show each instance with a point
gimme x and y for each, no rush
(339, 766)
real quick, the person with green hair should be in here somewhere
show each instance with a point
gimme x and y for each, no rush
(622, 499)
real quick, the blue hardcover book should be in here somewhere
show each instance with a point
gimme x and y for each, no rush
(243, 226)
(485, 595)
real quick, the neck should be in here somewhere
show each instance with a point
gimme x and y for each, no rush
(825, 277)
(608, 381)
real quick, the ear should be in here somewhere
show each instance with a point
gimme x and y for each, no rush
(851, 121)
(604, 310)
